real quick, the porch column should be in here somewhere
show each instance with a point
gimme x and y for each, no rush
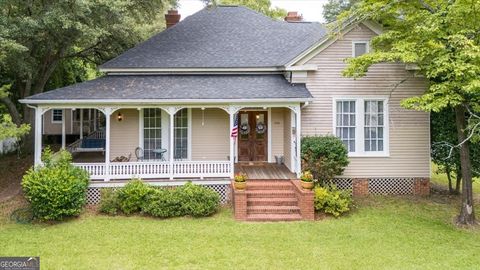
(38, 136)
(94, 120)
(298, 133)
(172, 145)
(107, 112)
(81, 123)
(232, 144)
(63, 129)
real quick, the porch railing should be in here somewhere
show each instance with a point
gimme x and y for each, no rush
(157, 169)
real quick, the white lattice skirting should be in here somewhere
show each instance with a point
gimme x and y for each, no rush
(224, 190)
(381, 186)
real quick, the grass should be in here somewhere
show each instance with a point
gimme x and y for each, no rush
(441, 179)
(382, 233)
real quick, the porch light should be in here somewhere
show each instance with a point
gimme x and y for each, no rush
(119, 117)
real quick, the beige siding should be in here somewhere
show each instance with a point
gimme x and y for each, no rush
(287, 140)
(210, 134)
(50, 128)
(277, 132)
(124, 135)
(409, 130)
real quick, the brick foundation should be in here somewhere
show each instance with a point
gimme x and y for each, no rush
(305, 201)
(421, 186)
(359, 187)
(239, 203)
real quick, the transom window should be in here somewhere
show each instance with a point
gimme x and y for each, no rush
(361, 123)
(181, 134)
(152, 132)
(57, 116)
(359, 48)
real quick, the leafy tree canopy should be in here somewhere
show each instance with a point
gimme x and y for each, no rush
(38, 36)
(262, 6)
(333, 8)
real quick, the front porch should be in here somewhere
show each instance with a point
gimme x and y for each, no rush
(196, 143)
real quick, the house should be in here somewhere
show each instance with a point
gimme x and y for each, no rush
(69, 125)
(171, 103)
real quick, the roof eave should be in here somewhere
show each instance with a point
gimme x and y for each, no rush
(161, 101)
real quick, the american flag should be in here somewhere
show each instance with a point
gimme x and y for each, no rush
(234, 133)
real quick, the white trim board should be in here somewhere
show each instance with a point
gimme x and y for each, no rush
(158, 102)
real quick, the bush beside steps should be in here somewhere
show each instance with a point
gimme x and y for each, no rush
(139, 197)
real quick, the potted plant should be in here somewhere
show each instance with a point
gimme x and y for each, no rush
(240, 181)
(306, 180)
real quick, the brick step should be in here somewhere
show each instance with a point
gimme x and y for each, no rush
(270, 209)
(273, 217)
(268, 185)
(274, 193)
(272, 201)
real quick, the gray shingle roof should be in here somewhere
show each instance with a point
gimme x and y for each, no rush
(178, 87)
(222, 37)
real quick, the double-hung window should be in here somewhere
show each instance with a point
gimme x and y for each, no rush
(152, 132)
(181, 135)
(57, 116)
(362, 125)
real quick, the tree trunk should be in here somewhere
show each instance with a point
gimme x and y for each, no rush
(458, 182)
(467, 214)
(449, 177)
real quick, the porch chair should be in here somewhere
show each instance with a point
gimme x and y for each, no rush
(139, 153)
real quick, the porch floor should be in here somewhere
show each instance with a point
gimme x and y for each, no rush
(264, 171)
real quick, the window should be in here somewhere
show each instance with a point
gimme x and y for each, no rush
(345, 123)
(373, 125)
(181, 134)
(152, 132)
(359, 48)
(362, 125)
(57, 116)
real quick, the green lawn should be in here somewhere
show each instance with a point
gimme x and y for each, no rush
(382, 233)
(441, 179)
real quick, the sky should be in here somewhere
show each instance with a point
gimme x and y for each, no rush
(310, 9)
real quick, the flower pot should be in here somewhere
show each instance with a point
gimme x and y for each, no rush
(240, 185)
(306, 185)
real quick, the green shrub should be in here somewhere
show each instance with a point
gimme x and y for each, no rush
(324, 156)
(164, 203)
(198, 201)
(57, 189)
(133, 196)
(332, 200)
(109, 203)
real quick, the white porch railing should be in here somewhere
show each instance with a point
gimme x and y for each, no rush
(157, 169)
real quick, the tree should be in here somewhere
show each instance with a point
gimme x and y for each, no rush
(333, 8)
(444, 153)
(442, 39)
(262, 6)
(8, 129)
(38, 36)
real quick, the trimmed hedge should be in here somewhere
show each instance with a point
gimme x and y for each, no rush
(324, 156)
(57, 189)
(138, 197)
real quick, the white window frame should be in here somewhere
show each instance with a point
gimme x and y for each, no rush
(57, 121)
(165, 131)
(367, 46)
(360, 124)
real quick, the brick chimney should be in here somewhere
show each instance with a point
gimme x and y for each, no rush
(172, 18)
(293, 16)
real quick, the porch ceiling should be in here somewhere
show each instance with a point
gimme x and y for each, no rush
(168, 88)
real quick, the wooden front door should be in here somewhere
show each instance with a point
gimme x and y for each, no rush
(252, 137)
